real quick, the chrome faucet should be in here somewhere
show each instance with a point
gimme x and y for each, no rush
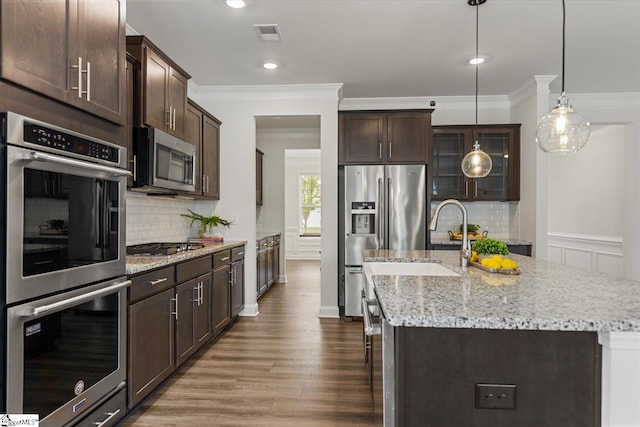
(465, 252)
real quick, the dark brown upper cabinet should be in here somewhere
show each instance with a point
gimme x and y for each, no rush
(451, 143)
(162, 98)
(259, 189)
(203, 130)
(384, 137)
(70, 50)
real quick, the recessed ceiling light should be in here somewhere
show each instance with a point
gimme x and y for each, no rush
(476, 60)
(236, 4)
(270, 65)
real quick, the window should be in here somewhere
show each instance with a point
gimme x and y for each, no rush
(310, 205)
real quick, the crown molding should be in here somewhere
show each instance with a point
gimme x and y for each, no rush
(489, 102)
(531, 89)
(605, 100)
(264, 92)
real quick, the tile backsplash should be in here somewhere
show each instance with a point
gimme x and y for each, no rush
(157, 218)
(500, 219)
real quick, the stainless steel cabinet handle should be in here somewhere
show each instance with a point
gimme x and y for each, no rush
(134, 161)
(43, 262)
(88, 92)
(475, 188)
(370, 328)
(224, 259)
(207, 176)
(175, 313)
(155, 282)
(61, 305)
(106, 420)
(168, 122)
(174, 118)
(390, 149)
(380, 150)
(240, 253)
(41, 157)
(466, 188)
(80, 72)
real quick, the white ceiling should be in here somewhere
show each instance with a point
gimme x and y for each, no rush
(399, 48)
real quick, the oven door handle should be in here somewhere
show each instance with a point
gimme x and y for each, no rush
(370, 327)
(41, 157)
(33, 312)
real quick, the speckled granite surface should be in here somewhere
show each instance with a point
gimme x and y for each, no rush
(263, 234)
(545, 296)
(459, 242)
(140, 264)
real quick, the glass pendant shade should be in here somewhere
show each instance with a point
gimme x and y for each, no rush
(562, 131)
(477, 163)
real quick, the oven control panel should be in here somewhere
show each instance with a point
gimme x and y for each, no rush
(41, 135)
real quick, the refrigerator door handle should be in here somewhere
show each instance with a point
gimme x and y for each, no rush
(389, 210)
(379, 214)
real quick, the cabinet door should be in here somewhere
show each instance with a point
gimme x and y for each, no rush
(498, 185)
(101, 44)
(276, 262)
(34, 52)
(449, 147)
(177, 85)
(221, 312)
(270, 266)
(156, 74)
(187, 295)
(407, 136)
(151, 344)
(237, 287)
(363, 138)
(203, 311)
(211, 158)
(259, 155)
(193, 135)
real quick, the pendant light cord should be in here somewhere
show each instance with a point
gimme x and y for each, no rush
(563, 42)
(477, 20)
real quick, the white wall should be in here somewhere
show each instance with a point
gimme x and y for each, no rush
(273, 143)
(298, 162)
(237, 108)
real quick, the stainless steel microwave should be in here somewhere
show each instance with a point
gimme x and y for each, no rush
(163, 163)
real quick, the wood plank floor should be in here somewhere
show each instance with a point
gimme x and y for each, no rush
(285, 367)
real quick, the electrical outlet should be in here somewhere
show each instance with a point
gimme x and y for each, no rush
(495, 396)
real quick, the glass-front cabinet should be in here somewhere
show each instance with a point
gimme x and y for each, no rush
(451, 143)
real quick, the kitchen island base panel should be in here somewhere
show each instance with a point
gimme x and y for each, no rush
(557, 375)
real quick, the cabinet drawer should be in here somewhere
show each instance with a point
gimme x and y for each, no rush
(237, 253)
(190, 269)
(220, 259)
(150, 283)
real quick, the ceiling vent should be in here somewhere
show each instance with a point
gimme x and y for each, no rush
(268, 32)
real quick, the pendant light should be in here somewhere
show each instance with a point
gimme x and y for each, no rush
(562, 131)
(477, 163)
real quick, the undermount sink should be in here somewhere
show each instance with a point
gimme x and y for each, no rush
(408, 269)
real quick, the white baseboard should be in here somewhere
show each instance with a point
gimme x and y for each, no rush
(329, 312)
(249, 310)
(281, 279)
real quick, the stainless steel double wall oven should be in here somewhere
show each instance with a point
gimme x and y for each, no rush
(64, 294)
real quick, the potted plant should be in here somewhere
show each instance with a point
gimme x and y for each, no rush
(207, 223)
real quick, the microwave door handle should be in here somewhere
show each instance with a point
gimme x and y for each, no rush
(37, 311)
(41, 157)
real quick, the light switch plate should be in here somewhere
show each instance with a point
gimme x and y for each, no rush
(495, 396)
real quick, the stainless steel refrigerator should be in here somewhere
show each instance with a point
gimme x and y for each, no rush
(385, 207)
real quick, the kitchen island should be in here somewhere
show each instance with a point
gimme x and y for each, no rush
(569, 341)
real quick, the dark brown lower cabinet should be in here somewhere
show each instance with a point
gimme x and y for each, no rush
(269, 263)
(276, 259)
(151, 344)
(556, 374)
(220, 298)
(237, 281)
(261, 273)
(193, 316)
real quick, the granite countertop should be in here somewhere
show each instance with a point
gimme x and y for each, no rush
(140, 264)
(545, 296)
(264, 234)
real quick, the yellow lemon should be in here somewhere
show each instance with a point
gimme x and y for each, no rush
(497, 258)
(509, 263)
(474, 256)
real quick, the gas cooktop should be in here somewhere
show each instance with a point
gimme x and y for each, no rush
(151, 249)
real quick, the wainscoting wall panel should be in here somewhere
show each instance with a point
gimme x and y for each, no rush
(602, 254)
